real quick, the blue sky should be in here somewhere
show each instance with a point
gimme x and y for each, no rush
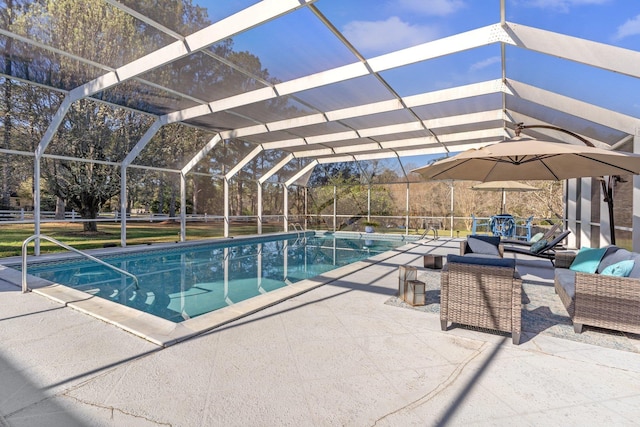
(299, 45)
(394, 24)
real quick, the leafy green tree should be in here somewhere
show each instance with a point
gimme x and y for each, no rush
(95, 30)
(90, 130)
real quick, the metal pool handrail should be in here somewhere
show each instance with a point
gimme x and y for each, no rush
(426, 231)
(69, 248)
(297, 227)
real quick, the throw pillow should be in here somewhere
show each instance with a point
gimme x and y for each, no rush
(536, 237)
(635, 273)
(613, 256)
(587, 260)
(480, 246)
(538, 246)
(620, 269)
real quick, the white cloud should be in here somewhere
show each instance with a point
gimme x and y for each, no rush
(431, 7)
(629, 28)
(485, 63)
(562, 5)
(384, 36)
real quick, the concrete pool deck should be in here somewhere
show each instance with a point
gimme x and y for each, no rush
(165, 332)
(335, 355)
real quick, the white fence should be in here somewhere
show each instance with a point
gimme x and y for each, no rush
(27, 216)
(388, 224)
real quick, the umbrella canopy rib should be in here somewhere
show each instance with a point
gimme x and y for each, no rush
(606, 163)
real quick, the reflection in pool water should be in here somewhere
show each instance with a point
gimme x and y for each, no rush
(185, 282)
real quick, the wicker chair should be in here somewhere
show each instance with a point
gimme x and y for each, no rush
(481, 292)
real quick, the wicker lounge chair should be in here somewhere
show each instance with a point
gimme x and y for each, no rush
(481, 292)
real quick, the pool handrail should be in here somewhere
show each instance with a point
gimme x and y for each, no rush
(426, 232)
(69, 248)
(297, 227)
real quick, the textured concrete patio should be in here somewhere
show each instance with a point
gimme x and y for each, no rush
(336, 355)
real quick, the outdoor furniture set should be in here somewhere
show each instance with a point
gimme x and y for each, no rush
(480, 288)
(600, 287)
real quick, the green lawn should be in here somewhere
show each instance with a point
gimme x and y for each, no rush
(12, 235)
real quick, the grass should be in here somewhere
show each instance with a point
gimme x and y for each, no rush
(138, 233)
(12, 235)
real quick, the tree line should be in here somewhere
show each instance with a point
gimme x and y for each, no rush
(101, 129)
(106, 126)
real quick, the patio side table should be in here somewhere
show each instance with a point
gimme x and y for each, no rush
(433, 261)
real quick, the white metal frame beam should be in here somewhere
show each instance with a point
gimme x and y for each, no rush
(282, 163)
(183, 188)
(250, 17)
(445, 46)
(575, 107)
(461, 92)
(600, 55)
(304, 143)
(402, 148)
(300, 174)
(246, 159)
(201, 154)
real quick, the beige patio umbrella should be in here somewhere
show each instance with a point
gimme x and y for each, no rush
(532, 159)
(504, 187)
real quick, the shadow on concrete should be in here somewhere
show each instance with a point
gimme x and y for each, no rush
(459, 401)
(23, 403)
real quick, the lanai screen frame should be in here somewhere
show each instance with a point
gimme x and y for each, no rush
(361, 144)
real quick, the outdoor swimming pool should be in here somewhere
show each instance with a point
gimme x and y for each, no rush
(184, 282)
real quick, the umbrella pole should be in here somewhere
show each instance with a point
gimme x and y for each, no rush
(606, 186)
(608, 197)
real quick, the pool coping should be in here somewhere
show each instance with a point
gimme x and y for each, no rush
(164, 332)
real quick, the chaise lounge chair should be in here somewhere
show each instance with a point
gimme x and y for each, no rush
(541, 249)
(548, 235)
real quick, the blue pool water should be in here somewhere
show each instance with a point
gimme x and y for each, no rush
(182, 283)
